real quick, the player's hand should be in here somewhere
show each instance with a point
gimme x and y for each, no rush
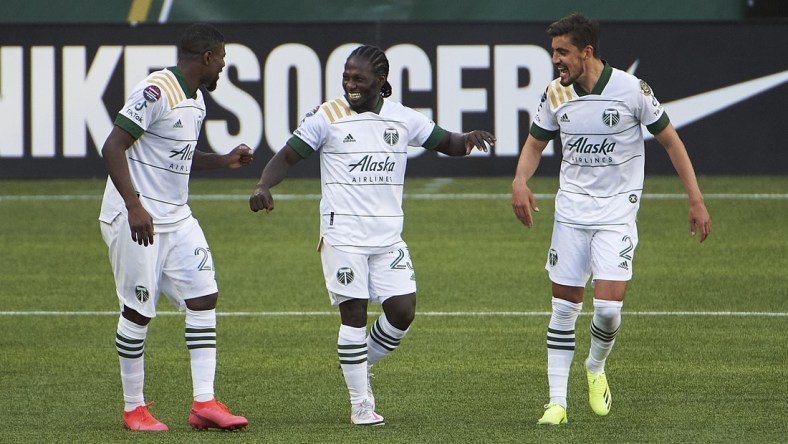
(261, 200)
(699, 217)
(239, 156)
(523, 202)
(141, 225)
(482, 140)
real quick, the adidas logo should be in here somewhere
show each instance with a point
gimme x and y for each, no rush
(624, 265)
(349, 138)
(178, 124)
(564, 118)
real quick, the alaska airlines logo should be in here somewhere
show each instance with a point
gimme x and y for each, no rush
(367, 164)
(185, 153)
(582, 145)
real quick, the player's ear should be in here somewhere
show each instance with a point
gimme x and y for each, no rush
(206, 57)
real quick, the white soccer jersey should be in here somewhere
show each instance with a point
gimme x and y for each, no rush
(603, 151)
(362, 166)
(165, 117)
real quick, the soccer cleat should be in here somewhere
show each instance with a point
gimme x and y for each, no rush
(140, 420)
(364, 414)
(214, 415)
(599, 393)
(554, 414)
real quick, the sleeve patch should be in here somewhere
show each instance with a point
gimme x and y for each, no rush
(644, 88)
(152, 93)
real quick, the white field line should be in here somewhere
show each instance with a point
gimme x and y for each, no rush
(414, 196)
(428, 313)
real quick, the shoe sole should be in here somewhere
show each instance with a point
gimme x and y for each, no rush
(200, 423)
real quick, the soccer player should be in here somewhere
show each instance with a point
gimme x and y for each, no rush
(598, 111)
(363, 140)
(155, 244)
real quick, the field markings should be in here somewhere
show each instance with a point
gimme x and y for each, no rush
(413, 196)
(427, 313)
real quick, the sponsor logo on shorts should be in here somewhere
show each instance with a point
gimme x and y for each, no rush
(141, 293)
(633, 198)
(624, 265)
(345, 275)
(552, 257)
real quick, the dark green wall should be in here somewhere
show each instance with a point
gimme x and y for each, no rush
(254, 11)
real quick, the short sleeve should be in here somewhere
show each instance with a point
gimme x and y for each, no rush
(144, 106)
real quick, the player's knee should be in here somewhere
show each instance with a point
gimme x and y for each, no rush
(134, 316)
(400, 311)
(203, 302)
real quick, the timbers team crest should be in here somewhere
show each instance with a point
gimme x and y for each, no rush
(345, 275)
(391, 136)
(611, 117)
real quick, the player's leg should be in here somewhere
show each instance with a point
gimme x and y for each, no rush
(133, 267)
(189, 272)
(393, 282)
(612, 256)
(346, 276)
(568, 268)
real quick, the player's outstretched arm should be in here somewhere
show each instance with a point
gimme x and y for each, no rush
(274, 172)
(456, 144)
(699, 218)
(239, 156)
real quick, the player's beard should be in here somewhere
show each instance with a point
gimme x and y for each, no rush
(570, 78)
(212, 86)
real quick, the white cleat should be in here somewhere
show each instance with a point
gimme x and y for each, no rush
(364, 414)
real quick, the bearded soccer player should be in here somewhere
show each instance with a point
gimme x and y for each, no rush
(363, 140)
(155, 243)
(598, 111)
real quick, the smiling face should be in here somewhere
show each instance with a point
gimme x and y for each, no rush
(569, 59)
(361, 84)
(214, 66)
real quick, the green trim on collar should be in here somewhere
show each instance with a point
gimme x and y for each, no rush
(604, 78)
(375, 110)
(182, 81)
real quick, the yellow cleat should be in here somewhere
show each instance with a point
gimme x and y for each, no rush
(599, 393)
(554, 414)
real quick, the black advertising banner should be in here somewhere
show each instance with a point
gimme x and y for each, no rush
(723, 85)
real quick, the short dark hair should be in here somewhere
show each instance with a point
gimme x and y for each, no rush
(379, 62)
(582, 30)
(199, 38)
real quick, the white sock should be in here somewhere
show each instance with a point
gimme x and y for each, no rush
(561, 347)
(604, 327)
(383, 339)
(130, 344)
(201, 341)
(352, 349)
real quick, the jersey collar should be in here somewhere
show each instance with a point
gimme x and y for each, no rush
(182, 81)
(375, 110)
(604, 78)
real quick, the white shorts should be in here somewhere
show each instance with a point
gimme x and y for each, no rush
(579, 253)
(376, 277)
(178, 264)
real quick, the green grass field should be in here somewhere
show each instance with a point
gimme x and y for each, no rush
(701, 355)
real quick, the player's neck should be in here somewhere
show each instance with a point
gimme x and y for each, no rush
(591, 73)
